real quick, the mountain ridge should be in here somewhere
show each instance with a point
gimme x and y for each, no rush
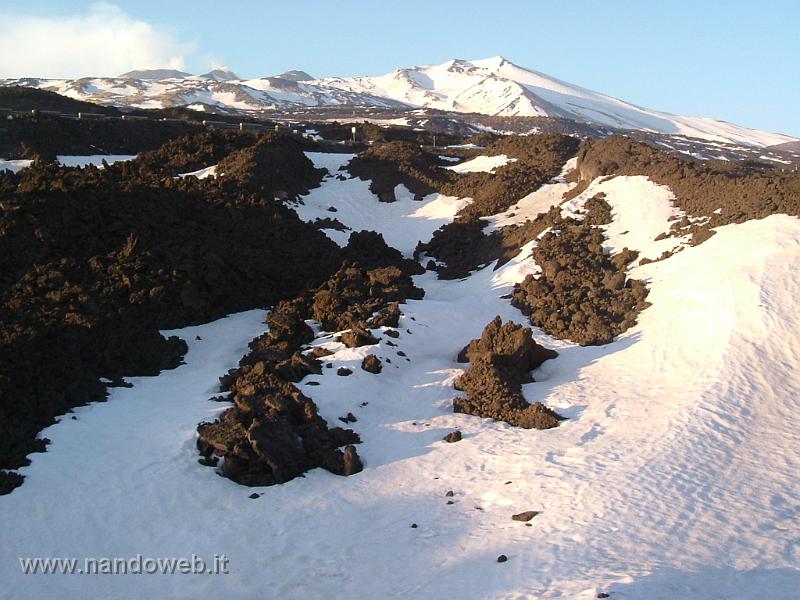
(493, 86)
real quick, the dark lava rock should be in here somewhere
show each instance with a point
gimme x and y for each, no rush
(582, 294)
(343, 371)
(349, 418)
(510, 344)
(500, 363)
(94, 262)
(319, 352)
(358, 337)
(386, 317)
(371, 364)
(452, 437)
(525, 516)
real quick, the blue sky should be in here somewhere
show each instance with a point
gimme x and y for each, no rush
(733, 60)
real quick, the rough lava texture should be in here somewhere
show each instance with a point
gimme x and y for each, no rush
(538, 158)
(501, 361)
(723, 191)
(582, 293)
(93, 262)
(273, 433)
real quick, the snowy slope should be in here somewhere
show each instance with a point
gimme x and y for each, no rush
(492, 86)
(674, 477)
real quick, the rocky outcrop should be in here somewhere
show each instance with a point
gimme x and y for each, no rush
(501, 361)
(94, 262)
(372, 364)
(273, 433)
(582, 294)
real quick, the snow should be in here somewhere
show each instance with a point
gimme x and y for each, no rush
(93, 159)
(403, 223)
(674, 477)
(482, 164)
(528, 207)
(15, 166)
(641, 211)
(202, 173)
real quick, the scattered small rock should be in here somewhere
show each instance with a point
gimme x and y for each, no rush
(414, 526)
(371, 364)
(343, 371)
(452, 437)
(603, 595)
(502, 558)
(450, 493)
(392, 333)
(525, 516)
(253, 496)
(400, 353)
(198, 338)
(349, 418)
(450, 502)
(313, 383)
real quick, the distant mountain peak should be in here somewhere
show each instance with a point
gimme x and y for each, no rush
(490, 86)
(155, 74)
(221, 74)
(295, 75)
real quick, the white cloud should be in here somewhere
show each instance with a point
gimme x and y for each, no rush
(103, 41)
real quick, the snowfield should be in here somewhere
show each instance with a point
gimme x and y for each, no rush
(675, 476)
(482, 164)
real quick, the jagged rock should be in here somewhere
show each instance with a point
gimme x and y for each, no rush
(525, 516)
(453, 436)
(501, 361)
(348, 418)
(356, 337)
(371, 364)
(512, 344)
(343, 371)
(581, 294)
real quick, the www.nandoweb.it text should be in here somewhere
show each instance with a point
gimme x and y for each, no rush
(134, 565)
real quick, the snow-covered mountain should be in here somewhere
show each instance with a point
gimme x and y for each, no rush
(493, 86)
